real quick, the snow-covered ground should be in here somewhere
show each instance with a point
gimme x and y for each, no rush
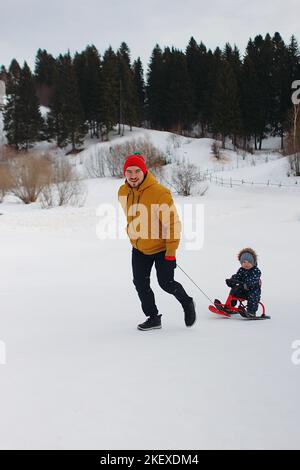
(79, 375)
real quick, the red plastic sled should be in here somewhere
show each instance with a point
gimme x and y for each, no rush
(227, 309)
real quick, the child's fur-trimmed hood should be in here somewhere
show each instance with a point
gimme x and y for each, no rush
(248, 250)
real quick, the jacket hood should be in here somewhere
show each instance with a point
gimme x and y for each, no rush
(148, 181)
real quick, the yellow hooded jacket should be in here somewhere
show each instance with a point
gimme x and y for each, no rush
(153, 224)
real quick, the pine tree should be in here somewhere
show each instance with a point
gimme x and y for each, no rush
(178, 109)
(44, 68)
(88, 71)
(281, 86)
(110, 92)
(56, 126)
(212, 70)
(139, 82)
(294, 59)
(23, 122)
(199, 62)
(156, 89)
(44, 74)
(227, 112)
(13, 76)
(193, 60)
(232, 57)
(260, 51)
(128, 98)
(124, 51)
(66, 120)
(3, 73)
(251, 98)
(11, 114)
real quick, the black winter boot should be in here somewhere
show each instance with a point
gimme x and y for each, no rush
(152, 323)
(249, 314)
(189, 313)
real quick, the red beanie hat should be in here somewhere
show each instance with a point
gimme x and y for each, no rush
(135, 160)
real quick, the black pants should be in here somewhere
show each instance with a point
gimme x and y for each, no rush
(141, 268)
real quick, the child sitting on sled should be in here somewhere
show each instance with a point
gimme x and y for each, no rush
(246, 283)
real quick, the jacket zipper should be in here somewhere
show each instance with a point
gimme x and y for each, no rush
(127, 209)
(138, 201)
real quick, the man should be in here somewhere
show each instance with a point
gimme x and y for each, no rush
(154, 231)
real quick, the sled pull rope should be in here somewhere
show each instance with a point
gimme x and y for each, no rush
(195, 284)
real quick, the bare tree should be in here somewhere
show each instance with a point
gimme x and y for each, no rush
(95, 165)
(115, 160)
(185, 176)
(63, 187)
(216, 150)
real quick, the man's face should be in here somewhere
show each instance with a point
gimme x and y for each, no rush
(134, 176)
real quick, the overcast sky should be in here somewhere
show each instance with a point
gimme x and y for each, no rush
(59, 25)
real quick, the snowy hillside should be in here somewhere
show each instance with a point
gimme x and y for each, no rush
(78, 374)
(268, 165)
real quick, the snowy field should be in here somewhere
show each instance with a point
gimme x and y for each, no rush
(78, 374)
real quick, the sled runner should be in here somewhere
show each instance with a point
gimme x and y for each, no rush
(236, 306)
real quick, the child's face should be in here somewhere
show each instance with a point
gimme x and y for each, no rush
(247, 265)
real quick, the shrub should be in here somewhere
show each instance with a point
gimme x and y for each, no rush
(5, 181)
(185, 176)
(28, 174)
(63, 187)
(96, 163)
(116, 155)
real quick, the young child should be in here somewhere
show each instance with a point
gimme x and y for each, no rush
(246, 283)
